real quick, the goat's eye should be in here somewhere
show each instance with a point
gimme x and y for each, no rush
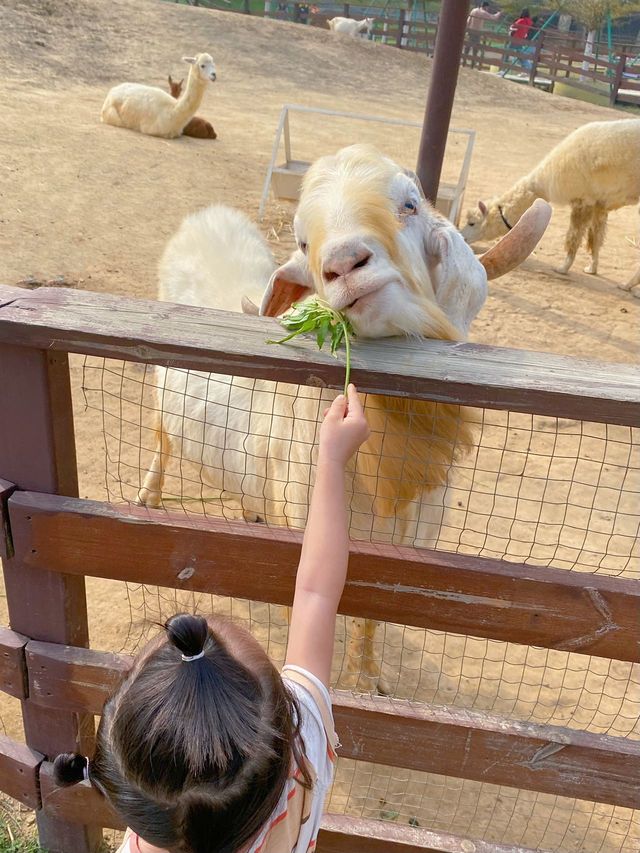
(409, 207)
(303, 246)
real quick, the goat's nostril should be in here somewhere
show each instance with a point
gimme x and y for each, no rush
(362, 262)
(343, 263)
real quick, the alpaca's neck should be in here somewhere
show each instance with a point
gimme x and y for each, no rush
(191, 98)
(519, 198)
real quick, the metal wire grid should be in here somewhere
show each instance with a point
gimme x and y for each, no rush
(533, 489)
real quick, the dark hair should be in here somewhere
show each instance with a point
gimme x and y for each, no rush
(524, 13)
(194, 755)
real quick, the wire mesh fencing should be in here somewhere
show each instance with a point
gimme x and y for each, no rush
(523, 488)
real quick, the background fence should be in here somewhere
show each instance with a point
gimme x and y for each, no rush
(554, 59)
(510, 649)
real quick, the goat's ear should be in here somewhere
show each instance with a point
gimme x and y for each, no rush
(484, 210)
(290, 283)
(459, 280)
(190, 59)
(517, 245)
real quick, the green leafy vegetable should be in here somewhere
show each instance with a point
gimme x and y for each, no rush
(315, 315)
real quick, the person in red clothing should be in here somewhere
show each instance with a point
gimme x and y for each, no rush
(519, 29)
(519, 32)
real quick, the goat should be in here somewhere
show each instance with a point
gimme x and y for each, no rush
(371, 246)
(350, 26)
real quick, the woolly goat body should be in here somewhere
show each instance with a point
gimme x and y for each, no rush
(594, 170)
(154, 112)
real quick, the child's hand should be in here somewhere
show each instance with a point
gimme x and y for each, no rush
(344, 428)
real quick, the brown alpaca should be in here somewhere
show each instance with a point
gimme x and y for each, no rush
(197, 127)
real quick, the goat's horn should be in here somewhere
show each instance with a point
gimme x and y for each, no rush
(517, 245)
(249, 307)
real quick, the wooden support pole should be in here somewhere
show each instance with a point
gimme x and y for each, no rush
(442, 88)
(37, 451)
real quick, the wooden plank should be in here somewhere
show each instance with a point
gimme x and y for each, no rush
(19, 772)
(70, 678)
(339, 833)
(487, 748)
(364, 835)
(57, 319)
(6, 543)
(13, 668)
(36, 436)
(443, 740)
(553, 608)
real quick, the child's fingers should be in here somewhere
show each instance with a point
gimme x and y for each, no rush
(355, 406)
(337, 408)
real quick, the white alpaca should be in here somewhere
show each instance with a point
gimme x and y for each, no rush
(150, 110)
(594, 170)
(375, 249)
(350, 26)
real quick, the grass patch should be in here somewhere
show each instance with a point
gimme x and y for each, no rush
(10, 843)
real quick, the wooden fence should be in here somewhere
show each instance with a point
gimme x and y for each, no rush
(611, 73)
(50, 539)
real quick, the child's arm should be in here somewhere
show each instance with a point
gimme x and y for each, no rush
(322, 569)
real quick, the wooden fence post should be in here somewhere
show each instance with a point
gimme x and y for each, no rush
(346, 10)
(37, 451)
(617, 80)
(534, 62)
(400, 33)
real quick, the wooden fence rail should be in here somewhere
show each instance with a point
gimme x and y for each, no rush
(481, 597)
(480, 746)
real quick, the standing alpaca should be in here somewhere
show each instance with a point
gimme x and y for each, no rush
(197, 127)
(371, 246)
(594, 170)
(351, 27)
(149, 110)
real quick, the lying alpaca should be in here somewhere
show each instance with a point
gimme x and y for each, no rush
(371, 246)
(149, 110)
(350, 26)
(595, 169)
(197, 127)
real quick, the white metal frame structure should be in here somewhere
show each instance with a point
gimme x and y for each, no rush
(450, 196)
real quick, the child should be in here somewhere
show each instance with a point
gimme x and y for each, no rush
(205, 748)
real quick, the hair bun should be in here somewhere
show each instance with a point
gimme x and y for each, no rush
(70, 768)
(188, 633)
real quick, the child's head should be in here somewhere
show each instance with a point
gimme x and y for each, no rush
(194, 748)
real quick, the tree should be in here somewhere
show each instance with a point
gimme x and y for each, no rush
(594, 14)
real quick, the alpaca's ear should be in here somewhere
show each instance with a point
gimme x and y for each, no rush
(459, 281)
(290, 283)
(517, 245)
(190, 59)
(484, 210)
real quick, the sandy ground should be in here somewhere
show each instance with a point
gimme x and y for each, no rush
(94, 205)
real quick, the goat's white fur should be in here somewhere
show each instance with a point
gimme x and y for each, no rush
(350, 26)
(594, 170)
(254, 439)
(155, 112)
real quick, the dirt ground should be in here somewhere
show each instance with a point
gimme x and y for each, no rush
(92, 206)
